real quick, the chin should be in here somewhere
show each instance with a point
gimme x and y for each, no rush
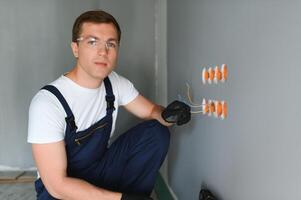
(102, 76)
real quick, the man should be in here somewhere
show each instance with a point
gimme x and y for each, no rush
(71, 121)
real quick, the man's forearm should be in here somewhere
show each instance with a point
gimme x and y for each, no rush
(156, 114)
(76, 189)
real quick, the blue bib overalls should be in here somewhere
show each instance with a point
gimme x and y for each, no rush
(129, 165)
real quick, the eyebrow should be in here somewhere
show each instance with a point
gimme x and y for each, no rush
(97, 38)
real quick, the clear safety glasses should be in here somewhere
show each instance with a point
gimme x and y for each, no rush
(95, 43)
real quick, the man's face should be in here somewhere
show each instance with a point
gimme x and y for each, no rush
(96, 50)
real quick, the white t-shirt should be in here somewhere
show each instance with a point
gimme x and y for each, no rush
(47, 116)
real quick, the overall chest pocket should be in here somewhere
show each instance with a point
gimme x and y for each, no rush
(84, 137)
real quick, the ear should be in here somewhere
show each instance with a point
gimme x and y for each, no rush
(74, 47)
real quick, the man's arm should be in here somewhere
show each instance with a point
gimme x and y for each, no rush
(145, 109)
(51, 162)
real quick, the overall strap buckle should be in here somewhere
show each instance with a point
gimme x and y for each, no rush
(110, 102)
(70, 121)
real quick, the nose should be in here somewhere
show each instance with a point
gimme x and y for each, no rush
(102, 48)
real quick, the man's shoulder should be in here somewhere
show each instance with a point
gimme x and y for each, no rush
(57, 83)
(113, 76)
(116, 78)
(44, 98)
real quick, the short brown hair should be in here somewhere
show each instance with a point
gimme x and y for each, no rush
(93, 16)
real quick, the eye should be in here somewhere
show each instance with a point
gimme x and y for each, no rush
(111, 45)
(92, 42)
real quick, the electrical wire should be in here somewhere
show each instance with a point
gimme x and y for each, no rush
(190, 98)
(191, 103)
(197, 112)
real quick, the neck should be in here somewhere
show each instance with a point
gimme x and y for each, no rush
(83, 79)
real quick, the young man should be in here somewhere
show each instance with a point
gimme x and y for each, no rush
(72, 119)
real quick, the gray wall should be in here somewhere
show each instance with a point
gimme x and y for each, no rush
(255, 153)
(137, 51)
(35, 49)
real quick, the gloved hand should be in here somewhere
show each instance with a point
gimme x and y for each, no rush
(206, 195)
(134, 197)
(177, 112)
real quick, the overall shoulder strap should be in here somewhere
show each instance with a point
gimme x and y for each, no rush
(70, 117)
(110, 98)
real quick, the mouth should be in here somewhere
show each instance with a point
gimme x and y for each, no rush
(101, 64)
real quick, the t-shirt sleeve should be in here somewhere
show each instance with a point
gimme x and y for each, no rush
(46, 119)
(127, 91)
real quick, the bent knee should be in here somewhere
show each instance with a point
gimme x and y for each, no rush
(160, 133)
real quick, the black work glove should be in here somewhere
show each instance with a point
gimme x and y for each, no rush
(134, 197)
(177, 112)
(206, 195)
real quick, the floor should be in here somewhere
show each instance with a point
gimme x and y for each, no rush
(20, 186)
(17, 185)
(23, 191)
(17, 191)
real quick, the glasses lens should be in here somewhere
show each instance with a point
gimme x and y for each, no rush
(92, 42)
